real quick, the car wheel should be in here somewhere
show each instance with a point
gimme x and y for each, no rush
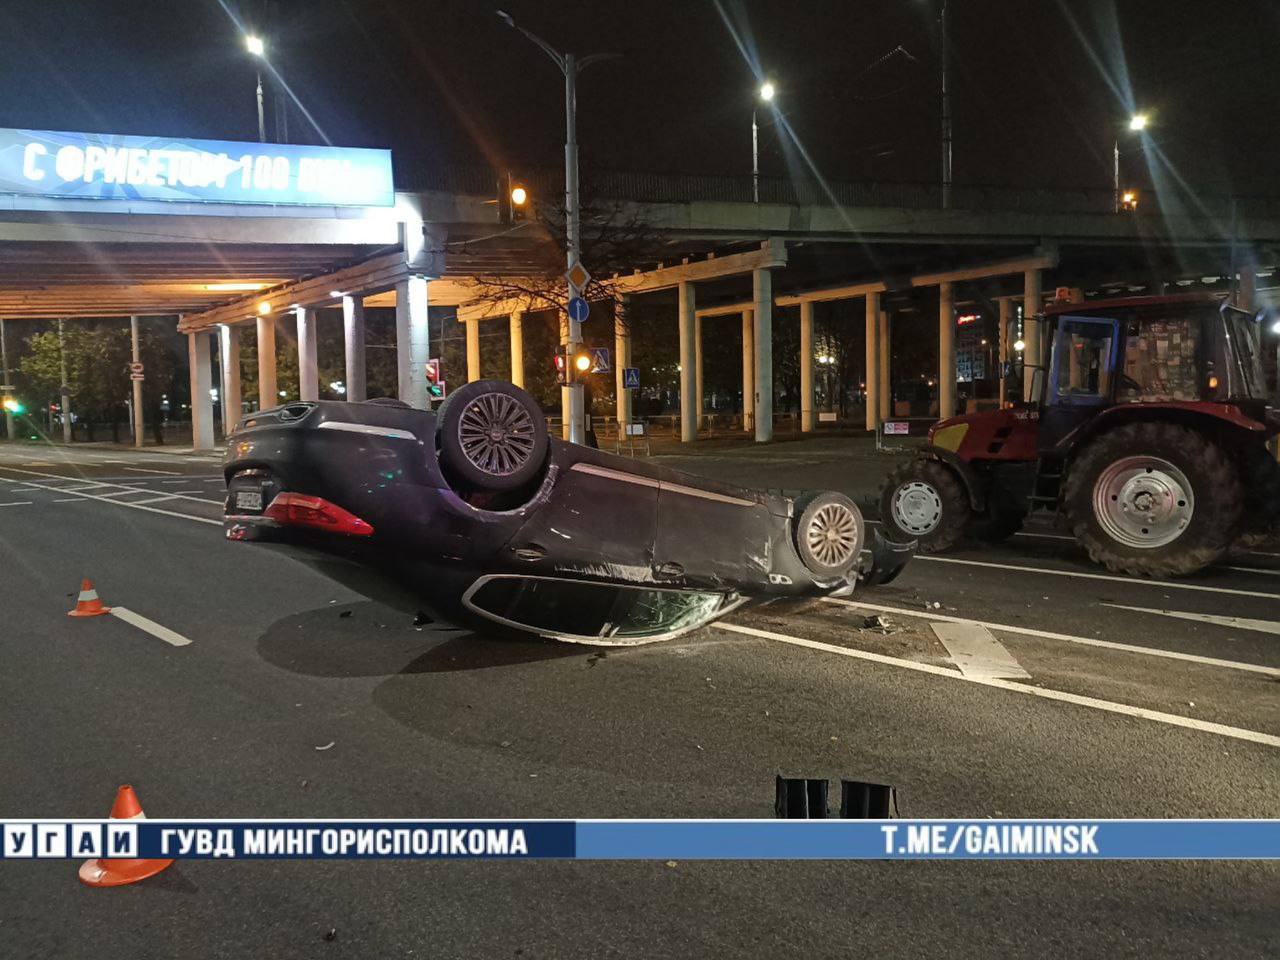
(829, 533)
(1153, 500)
(492, 435)
(924, 501)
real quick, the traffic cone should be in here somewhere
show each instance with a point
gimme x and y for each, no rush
(88, 604)
(116, 873)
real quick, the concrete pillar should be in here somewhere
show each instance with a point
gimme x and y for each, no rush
(886, 399)
(353, 342)
(1247, 292)
(268, 391)
(412, 341)
(229, 350)
(136, 355)
(807, 418)
(871, 323)
(308, 362)
(748, 370)
(622, 358)
(688, 362)
(1003, 349)
(1032, 354)
(198, 357)
(697, 367)
(946, 350)
(762, 301)
(473, 350)
(516, 327)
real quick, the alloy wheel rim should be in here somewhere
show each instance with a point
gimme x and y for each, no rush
(832, 536)
(917, 507)
(496, 434)
(1143, 502)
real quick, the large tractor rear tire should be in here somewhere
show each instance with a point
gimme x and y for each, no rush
(925, 501)
(1261, 475)
(1154, 500)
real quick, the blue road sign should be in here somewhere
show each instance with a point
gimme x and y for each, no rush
(600, 360)
(631, 378)
(579, 310)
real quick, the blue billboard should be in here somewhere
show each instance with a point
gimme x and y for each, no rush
(103, 166)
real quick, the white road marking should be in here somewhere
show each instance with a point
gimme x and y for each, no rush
(150, 626)
(131, 486)
(976, 652)
(125, 503)
(26, 490)
(69, 500)
(167, 473)
(17, 503)
(1239, 623)
(1044, 536)
(1066, 637)
(40, 463)
(1162, 584)
(163, 496)
(1270, 573)
(1045, 693)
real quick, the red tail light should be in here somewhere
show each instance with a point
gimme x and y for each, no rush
(299, 510)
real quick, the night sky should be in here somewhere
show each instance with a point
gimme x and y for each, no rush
(1036, 100)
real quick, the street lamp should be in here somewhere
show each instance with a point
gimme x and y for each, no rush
(258, 48)
(765, 93)
(1137, 124)
(571, 340)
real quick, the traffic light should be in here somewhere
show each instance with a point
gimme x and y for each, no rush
(513, 199)
(435, 382)
(519, 198)
(558, 362)
(582, 361)
(14, 406)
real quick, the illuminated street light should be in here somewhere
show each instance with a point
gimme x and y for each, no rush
(1137, 124)
(255, 45)
(766, 91)
(264, 308)
(766, 94)
(1019, 345)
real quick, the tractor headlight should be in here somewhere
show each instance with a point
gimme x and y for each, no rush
(950, 438)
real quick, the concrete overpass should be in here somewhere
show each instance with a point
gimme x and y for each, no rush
(224, 267)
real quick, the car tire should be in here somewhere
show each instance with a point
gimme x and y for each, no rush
(1153, 500)
(829, 533)
(492, 436)
(925, 501)
(1261, 475)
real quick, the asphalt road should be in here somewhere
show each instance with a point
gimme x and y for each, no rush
(1127, 713)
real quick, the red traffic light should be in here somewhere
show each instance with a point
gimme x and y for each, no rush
(433, 371)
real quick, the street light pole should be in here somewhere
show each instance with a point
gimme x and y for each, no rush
(946, 110)
(262, 123)
(765, 94)
(571, 405)
(65, 388)
(258, 48)
(1137, 123)
(4, 382)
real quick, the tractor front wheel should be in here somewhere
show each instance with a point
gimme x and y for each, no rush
(924, 501)
(1153, 500)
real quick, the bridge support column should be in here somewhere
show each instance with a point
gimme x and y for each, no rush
(1032, 353)
(806, 367)
(688, 362)
(308, 362)
(1247, 292)
(198, 357)
(473, 350)
(886, 410)
(515, 327)
(412, 341)
(946, 350)
(229, 353)
(1002, 354)
(268, 388)
(353, 340)
(622, 359)
(697, 367)
(748, 370)
(762, 305)
(872, 363)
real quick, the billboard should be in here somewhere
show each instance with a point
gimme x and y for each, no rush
(101, 166)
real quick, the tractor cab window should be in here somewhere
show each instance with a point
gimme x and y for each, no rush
(1083, 360)
(1160, 359)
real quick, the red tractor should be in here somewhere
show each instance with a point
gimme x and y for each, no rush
(1147, 434)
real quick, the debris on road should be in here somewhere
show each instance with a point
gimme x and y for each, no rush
(327, 745)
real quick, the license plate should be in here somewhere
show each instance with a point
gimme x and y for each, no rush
(248, 499)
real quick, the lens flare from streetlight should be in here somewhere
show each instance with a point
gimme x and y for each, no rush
(255, 45)
(767, 91)
(1019, 345)
(1138, 122)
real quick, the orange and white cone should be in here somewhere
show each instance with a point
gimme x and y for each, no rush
(88, 604)
(116, 873)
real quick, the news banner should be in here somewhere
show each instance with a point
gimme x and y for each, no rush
(645, 839)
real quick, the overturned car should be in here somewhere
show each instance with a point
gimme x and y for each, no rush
(471, 514)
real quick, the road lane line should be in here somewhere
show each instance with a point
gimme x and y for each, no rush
(69, 499)
(1045, 693)
(123, 488)
(125, 503)
(1162, 584)
(167, 473)
(163, 496)
(1269, 573)
(1066, 637)
(27, 490)
(976, 652)
(150, 626)
(16, 503)
(1241, 623)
